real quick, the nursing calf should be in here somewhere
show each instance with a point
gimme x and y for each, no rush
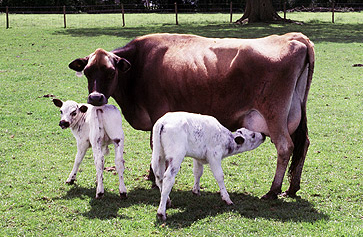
(97, 127)
(180, 134)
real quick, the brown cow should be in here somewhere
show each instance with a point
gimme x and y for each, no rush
(261, 84)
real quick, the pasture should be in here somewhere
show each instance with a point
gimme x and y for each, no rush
(36, 156)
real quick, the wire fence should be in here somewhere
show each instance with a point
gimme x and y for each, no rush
(124, 9)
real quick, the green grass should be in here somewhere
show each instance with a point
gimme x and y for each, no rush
(36, 156)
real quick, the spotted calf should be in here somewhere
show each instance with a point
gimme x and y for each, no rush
(96, 126)
(180, 134)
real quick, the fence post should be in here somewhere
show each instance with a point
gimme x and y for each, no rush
(176, 13)
(284, 10)
(332, 12)
(7, 17)
(64, 17)
(123, 14)
(230, 11)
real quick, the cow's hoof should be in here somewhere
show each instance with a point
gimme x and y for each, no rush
(269, 196)
(70, 182)
(123, 195)
(99, 195)
(161, 216)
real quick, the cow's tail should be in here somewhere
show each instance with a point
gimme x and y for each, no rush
(300, 136)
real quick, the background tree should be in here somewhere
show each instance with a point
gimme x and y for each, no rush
(259, 10)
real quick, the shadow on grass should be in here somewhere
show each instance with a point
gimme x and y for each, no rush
(316, 31)
(195, 208)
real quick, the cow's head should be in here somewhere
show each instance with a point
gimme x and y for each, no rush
(102, 69)
(70, 112)
(247, 140)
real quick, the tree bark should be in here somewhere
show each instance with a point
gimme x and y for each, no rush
(259, 11)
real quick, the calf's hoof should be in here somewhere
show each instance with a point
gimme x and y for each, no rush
(99, 195)
(287, 193)
(269, 196)
(123, 195)
(228, 202)
(70, 182)
(161, 216)
(196, 193)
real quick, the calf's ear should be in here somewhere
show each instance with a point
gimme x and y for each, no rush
(57, 102)
(123, 65)
(83, 109)
(239, 140)
(78, 64)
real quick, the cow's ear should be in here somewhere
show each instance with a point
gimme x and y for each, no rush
(123, 65)
(239, 140)
(58, 102)
(78, 64)
(83, 109)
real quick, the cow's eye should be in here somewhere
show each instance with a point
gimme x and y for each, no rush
(61, 112)
(73, 113)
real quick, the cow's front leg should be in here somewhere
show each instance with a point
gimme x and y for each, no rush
(81, 151)
(284, 146)
(120, 166)
(198, 172)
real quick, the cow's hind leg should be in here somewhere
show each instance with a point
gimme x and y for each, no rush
(301, 145)
(284, 146)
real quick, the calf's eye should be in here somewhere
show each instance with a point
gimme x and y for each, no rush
(73, 113)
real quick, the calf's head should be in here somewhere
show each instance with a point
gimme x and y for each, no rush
(102, 70)
(70, 112)
(247, 140)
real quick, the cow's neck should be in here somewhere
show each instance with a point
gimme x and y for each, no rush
(134, 114)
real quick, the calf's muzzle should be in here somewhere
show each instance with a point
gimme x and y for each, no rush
(64, 124)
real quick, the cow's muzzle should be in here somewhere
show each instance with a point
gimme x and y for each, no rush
(64, 124)
(97, 99)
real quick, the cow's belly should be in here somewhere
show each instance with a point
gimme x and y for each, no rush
(254, 121)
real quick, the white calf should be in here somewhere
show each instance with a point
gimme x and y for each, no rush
(180, 134)
(97, 127)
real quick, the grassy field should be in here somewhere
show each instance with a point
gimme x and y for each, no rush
(36, 156)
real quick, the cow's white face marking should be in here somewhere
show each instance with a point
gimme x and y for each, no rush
(79, 74)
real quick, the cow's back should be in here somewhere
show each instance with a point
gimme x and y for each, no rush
(219, 77)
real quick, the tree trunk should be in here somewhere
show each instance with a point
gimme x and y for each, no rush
(259, 11)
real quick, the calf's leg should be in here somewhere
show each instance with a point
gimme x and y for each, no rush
(120, 166)
(81, 151)
(215, 166)
(167, 184)
(99, 164)
(198, 172)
